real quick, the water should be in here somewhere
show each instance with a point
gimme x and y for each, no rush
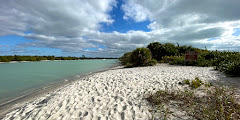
(17, 78)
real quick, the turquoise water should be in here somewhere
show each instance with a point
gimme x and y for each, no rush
(16, 78)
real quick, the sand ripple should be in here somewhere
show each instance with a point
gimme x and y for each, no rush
(114, 94)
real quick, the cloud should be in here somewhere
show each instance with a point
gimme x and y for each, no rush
(62, 43)
(188, 21)
(69, 18)
(73, 26)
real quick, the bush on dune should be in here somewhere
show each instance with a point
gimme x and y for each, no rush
(152, 62)
(159, 50)
(125, 59)
(138, 57)
(155, 50)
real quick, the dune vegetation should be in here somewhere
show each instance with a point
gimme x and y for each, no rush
(217, 102)
(224, 61)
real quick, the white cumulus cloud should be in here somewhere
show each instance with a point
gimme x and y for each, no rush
(73, 26)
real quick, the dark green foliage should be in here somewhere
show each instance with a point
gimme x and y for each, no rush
(169, 49)
(159, 50)
(230, 67)
(4, 59)
(125, 59)
(152, 62)
(227, 62)
(140, 57)
(174, 60)
(155, 50)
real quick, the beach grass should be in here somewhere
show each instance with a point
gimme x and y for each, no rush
(217, 102)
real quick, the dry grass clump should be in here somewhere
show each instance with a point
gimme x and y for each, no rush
(218, 102)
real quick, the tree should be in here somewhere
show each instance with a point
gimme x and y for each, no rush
(154, 48)
(140, 56)
(4, 59)
(125, 59)
(170, 49)
(159, 50)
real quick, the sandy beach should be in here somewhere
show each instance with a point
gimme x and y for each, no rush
(114, 94)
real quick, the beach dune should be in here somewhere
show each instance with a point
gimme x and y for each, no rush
(113, 94)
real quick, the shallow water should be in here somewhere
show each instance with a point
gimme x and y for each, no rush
(17, 78)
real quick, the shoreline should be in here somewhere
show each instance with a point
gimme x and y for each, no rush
(110, 94)
(49, 60)
(14, 103)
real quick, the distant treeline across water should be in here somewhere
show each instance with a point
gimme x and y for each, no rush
(39, 58)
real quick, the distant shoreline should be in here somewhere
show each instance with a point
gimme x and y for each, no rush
(54, 60)
(19, 58)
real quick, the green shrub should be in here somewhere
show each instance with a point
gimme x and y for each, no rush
(159, 50)
(227, 62)
(230, 68)
(170, 49)
(140, 56)
(4, 59)
(129, 65)
(178, 60)
(155, 50)
(125, 59)
(152, 62)
(196, 83)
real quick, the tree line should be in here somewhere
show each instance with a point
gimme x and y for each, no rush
(39, 58)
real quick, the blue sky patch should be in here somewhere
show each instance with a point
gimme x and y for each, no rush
(12, 40)
(212, 39)
(121, 25)
(236, 32)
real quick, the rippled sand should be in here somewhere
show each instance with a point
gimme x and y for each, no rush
(113, 94)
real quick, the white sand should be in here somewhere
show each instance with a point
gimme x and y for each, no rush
(113, 94)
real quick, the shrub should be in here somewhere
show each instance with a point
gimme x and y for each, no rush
(159, 50)
(4, 59)
(227, 62)
(155, 50)
(152, 62)
(196, 83)
(230, 68)
(140, 56)
(178, 60)
(170, 49)
(125, 59)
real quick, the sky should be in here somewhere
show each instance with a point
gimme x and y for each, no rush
(110, 28)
